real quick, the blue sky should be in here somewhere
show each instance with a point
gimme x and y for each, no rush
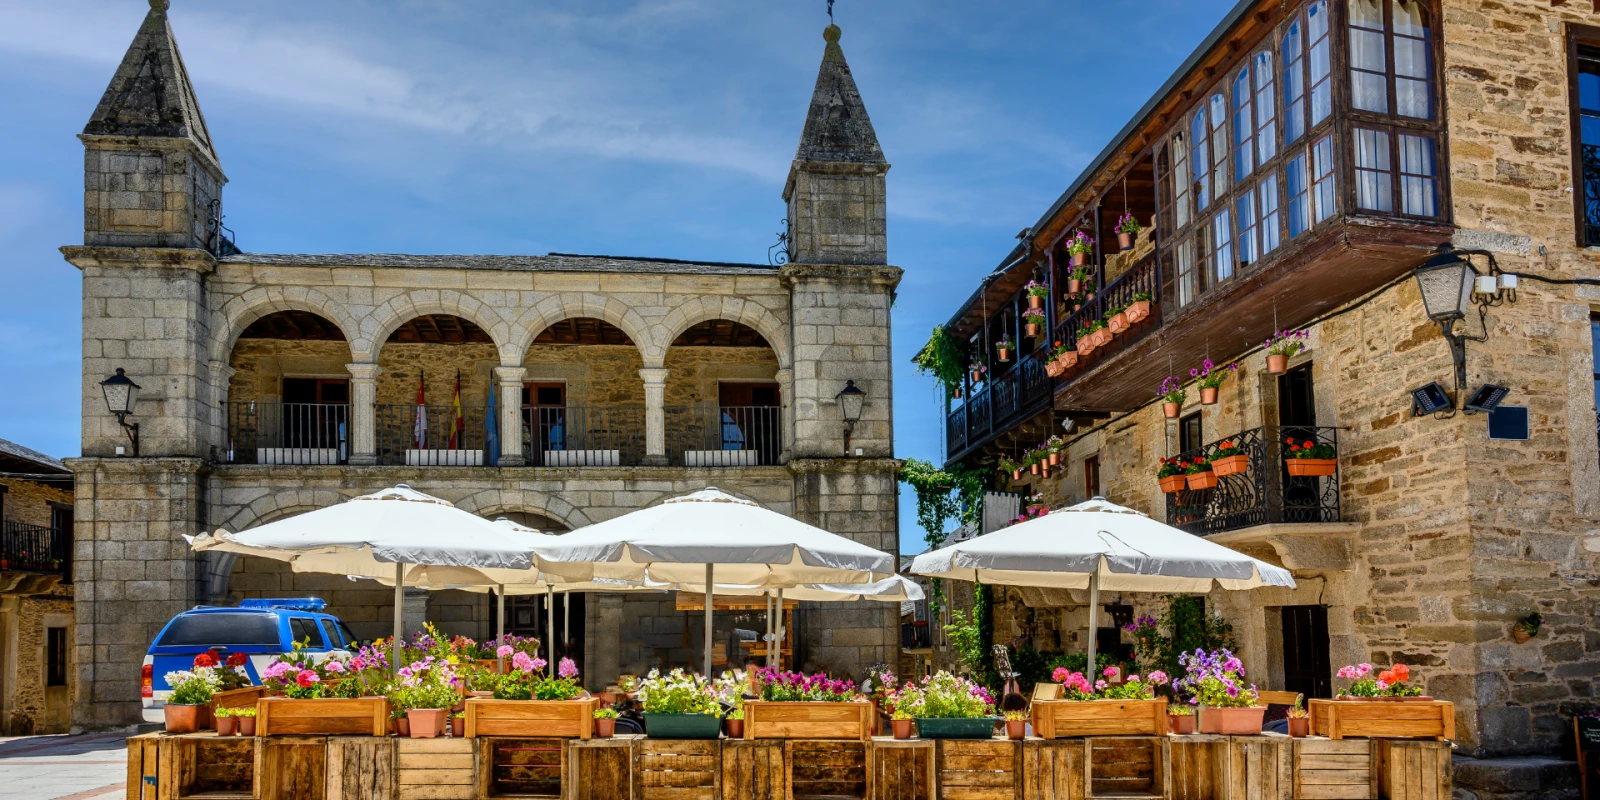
(642, 127)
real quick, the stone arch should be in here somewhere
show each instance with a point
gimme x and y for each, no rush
(239, 312)
(560, 307)
(702, 309)
(488, 502)
(270, 506)
(400, 309)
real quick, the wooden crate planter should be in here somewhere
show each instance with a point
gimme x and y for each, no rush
(1328, 770)
(978, 770)
(1209, 767)
(1057, 718)
(144, 762)
(832, 769)
(292, 768)
(678, 769)
(572, 719)
(754, 770)
(1399, 719)
(600, 769)
(764, 720)
(1413, 770)
(1054, 769)
(1127, 765)
(360, 768)
(516, 767)
(279, 716)
(209, 766)
(902, 769)
(435, 769)
(236, 698)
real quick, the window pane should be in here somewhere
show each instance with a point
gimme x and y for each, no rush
(1201, 161)
(1267, 193)
(1219, 145)
(1413, 88)
(1180, 181)
(1419, 187)
(1322, 183)
(1246, 207)
(1266, 127)
(1243, 126)
(1296, 184)
(1222, 243)
(1366, 14)
(1409, 19)
(1186, 273)
(1294, 84)
(1373, 179)
(1321, 86)
(1589, 89)
(1369, 57)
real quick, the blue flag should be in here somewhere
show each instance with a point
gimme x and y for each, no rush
(491, 429)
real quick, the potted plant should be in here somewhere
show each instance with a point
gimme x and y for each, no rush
(678, 705)
(1037, 292)
(1139, 309)
(1035, 504)
(1283, 346)
(1087, 341)
(1227, 703)
(1065, 356)
(1016, 725)
(1172, 396)
(1007, 465)
(1307, 459)
(458, 724)
(1211, 377)
(191, 693)
(338, 695)
(1109, 706)
(1033, 321)
(1299, 719)
(1127, 230)
(948, 707)
(1076, 279)
(900, 721)
(977, 370)
(1198, 474)
(605, 722)
(426, 689)
(1079, 247)
(227, 722)
(1055, 445)
(247, 720)
(1527, 627)
(1170, 476)
(1003, 349)
(530, 702)
(1229, 459)
(1053, 367)
(793, 705)
(1117, 319)
(1181, 718)
(1371, 706)
(1101, 333)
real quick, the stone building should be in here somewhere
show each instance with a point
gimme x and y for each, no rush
(36, 620)
(553, 390)
(1291, 175)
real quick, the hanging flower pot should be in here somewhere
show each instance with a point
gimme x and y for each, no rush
(1074, 285)
(1031, 329)
(1055, 459)
(1202, 480)
(1173, 484)
(1044, 470)
(955, 393)
(1079, 259)
(1034, 468)
(1125, 241)
(1208, 395)
(1277, 364)
(1016, 475)
(1005, 354)
(1170, 410)
(1035, 302)
(1127, 230)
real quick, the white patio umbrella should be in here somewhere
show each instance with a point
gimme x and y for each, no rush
(704, 536)
(896, 589)
(378, 535)
(1099, 545)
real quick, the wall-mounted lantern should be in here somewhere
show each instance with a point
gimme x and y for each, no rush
(122, 394)
(851, 399)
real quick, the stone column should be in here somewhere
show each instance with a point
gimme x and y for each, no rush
(785, 379)
(221, 373)
(511, 378)
(655, 416)
(603, 638)
(363, 413)
(415, 610)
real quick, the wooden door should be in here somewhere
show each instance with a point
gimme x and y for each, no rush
(1306, 667)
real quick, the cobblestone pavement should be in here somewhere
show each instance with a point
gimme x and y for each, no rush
(63, 767)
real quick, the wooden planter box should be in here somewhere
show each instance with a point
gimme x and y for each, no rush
(977, 770)
(830, 769)
(522, 767)
(566, 719)
(436, 769)
(1418, 770)
(1311, 467)
(1325, 768)
(363, 716)
(1127, 766)
(902, 769)
(677, 769)
(1053, 719)
(766, 720)
(1408, 719)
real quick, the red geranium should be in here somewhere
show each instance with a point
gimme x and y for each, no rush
(209, 658)
(306, 679)
(238, 660)
(1402, 673)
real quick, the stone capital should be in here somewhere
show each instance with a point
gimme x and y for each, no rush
(783, 376)
(654, 376)
(510, 374)
(364, 372)
(220, 371)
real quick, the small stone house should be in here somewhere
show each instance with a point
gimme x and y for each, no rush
(36, 615)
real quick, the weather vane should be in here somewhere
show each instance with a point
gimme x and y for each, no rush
(830, 12)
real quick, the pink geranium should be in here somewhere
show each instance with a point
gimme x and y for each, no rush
(522, 662)
(567, 669)
(505, 651)
(306, 679)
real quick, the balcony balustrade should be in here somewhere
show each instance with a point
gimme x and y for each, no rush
(287, 433)
(1264, 493)
(725, 436)
(583, 436)
(34, 548)
(432, 436)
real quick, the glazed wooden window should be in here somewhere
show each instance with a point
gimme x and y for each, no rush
(1267, 200)
(1320, 62)
(1413, 61)
(1419, 176)
(1219, 146)
(1266, 135)
(1374, 171)
(1294, 81)
(1198, 131)
(1369, 57)
(1244, 126)
(1188, 278)
(1298, 186)
(1323, 183)
(1180, 181)
(1219, 259)
(1583, 50)
(1245, 213)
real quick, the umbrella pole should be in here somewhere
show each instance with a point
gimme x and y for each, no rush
(709, 587)
(500, 623)
(777, 641)
(566, 617)
(550, 623)
(1094, 622)
(768, 596)
(399, 614)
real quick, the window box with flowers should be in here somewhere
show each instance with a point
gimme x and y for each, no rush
(1062, 358)
(1079, 247)
(1216, 681)
(1127, 231)
(1199, 475)
(1116, 319)
(337, 696)
(1101, 333)
(678, 705)
(947, 707)
(1037, 294)
(1087, 341)
(1307, 459)
(1130, 708)
(527, 702)
(1381, 703)
(1170, 476)
(1229, 460)
(1139, 309)
(798, 706)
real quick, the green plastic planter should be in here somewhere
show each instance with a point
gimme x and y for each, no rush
(682, 726)
(980, 728)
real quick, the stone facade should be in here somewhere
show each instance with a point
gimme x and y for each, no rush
(171, 313)
(32, 601)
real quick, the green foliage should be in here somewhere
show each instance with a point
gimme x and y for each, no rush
(605, 713)
(955, 492)
(678, 692)
(965, 637)
(1184, 627)
(944, 357)
(943, 696)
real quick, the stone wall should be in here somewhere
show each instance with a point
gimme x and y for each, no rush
(29, 501)
(30, 706)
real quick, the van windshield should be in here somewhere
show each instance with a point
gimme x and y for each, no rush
(209, 630)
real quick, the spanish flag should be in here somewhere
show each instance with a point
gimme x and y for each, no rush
(457, 425)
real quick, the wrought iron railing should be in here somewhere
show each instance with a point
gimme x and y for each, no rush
(434, 436)
(725, 436)
(287, 433)
(1265, 492)
(34, 548)
(583, 436)
(1142, 277)
(1591, 193)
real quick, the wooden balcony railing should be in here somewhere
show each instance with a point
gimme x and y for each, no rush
(1144, 276)
(999, 404)
(1265, 492)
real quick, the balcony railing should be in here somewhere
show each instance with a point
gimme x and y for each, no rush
(1265, 492)
(1142, 277)
(999, 404)
(288, 433)
(583, 436)
(725, 436)
(34, 548)
(432, 436)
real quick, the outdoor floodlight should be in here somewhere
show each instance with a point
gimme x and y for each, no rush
(1486, 398)
(1430, 399)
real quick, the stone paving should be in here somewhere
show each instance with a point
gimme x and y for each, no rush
(63, 767)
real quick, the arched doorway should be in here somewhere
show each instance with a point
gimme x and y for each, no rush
(289, 396)
(433, 394)
(583, 402)
(724, 403)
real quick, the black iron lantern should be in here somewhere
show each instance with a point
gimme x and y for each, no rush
(1446, 283)
(122, 394)
(851, 399)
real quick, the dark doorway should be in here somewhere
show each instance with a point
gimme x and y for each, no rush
(544, 418)
(1297, 405)
(1297, 419)
(750, 419)
(313, 413)
(61, 521)
(1306, 668)
(1190, 435)
(526, 616)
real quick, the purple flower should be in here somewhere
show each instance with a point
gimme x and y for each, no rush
(567, 669)
(522, 662)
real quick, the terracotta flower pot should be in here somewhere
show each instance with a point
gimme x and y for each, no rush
(735, 729)
(1277, 364)
(1079, 259)
(426, 723)
(247, 726)
(1300, 728)
(1312, 467)
(182, 719)
(1118, 322)
(1016, 475)
(1181, 724)
(1173, 484)
(402, 726)
(1044, 470)
(1054, 369)
(1208, 396)
(1005, 354)
(1201, 480)
(1030, 329)
(1016, 728)
(977, 377)
(1520, 635)
(902, 728)
(604, 728)
(1086, 345)
(1232, 721)
(458, 727)
(955, 393)
(1125, 241)
(1034, 468)
(1137, 311)
(227, 725)
(1035, 301)
(1068, 359)
(1074, 285)
(1105, 335)
(1232, 465)
(1170, 410)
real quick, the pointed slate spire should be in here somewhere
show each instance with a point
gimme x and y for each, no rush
(837, 127)
(150, 94)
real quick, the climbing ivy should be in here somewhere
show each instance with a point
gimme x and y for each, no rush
(944, 357)
(955, 492)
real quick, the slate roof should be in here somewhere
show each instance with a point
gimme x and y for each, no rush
(13, 452)
(837, 127)
(150, 94)
(554, 262)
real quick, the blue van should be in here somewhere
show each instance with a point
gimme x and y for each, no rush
(262, 629)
